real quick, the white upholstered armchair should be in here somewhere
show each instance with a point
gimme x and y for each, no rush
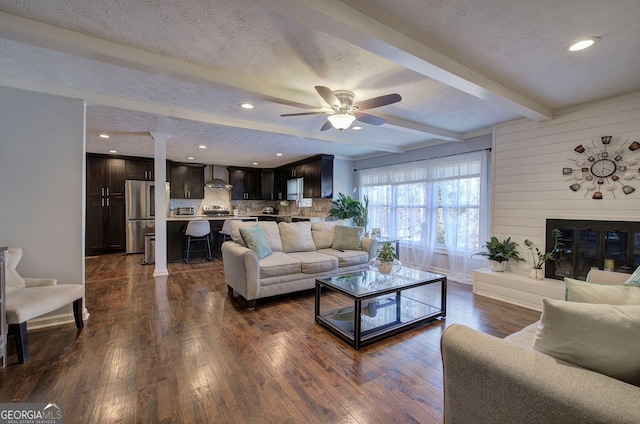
(29, 298)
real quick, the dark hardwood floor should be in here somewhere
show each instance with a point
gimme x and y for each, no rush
(181, 350)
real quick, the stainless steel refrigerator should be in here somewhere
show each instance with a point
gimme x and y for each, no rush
(140, 212)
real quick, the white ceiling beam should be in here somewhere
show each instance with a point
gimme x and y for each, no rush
(418, 128)
(351, 25)
(191, 115)
(51, 37)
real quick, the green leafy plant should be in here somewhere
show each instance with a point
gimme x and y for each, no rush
(386, 253)
(539, 258)
(501, 251)
(345, 207)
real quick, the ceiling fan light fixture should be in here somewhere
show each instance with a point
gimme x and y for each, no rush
(341, 121)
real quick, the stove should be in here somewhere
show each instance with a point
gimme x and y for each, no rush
(217, 210)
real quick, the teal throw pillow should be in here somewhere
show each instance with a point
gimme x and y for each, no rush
(255, 239)
(347, 238)
(634, 280)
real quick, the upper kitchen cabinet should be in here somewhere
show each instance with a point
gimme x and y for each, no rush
(140, 169)
(268, 185)
(317, 173)
(186, 181)
(246, 182)
(105, 220)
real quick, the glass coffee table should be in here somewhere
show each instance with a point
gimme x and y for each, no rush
(363, 307)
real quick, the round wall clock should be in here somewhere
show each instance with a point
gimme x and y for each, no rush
(602, 169)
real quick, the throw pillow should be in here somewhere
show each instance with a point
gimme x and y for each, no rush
(323, 233)
(347, 238)
(582, 291)
(255, 239)
(13, 280)
(234, 229)
(634, 279)
(602, 338)
(296, 236)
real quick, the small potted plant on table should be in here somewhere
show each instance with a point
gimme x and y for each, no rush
(386, 260)
(539, 258)
(499, 252)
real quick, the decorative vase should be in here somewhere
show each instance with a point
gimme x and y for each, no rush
(536, 273)
(498, 266)
(385, 267)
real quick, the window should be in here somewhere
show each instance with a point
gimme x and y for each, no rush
(432, 204)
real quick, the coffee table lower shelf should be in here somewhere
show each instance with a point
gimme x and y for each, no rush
(379, 318)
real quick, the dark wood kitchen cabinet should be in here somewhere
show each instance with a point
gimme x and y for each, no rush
(317, 173)
(246, 182)
(187, 181)
(105, 220)
(139, 169)
(268, 185)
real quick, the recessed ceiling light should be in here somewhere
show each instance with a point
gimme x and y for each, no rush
(246, 105)
(583, 44)
(103, 135)
(278, 154)
(202, 146)
(255, 163)
(190, 158)
(356, 128)
(113, 151)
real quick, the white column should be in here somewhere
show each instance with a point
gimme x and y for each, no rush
(160, 172)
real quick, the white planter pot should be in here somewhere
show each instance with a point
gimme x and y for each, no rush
(536, 273)
(498, 266)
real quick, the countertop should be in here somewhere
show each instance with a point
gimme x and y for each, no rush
(207, 217)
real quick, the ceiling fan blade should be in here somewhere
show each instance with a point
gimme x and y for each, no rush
(328, 96)
(303, 114)
(369, 119)
(327, 125)
(378, 101)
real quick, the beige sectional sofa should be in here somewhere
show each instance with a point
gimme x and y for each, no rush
(301, 252)
(489, 380)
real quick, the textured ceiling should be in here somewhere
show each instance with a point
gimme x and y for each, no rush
(181, 67)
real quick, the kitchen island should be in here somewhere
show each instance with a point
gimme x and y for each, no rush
(177, 224)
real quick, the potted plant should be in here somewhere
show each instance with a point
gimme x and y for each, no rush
(539, 258)
(345, 207)
(386, 258)
(499, 252)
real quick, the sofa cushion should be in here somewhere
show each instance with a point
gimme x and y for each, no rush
(581, 291)
(296, 237)
(347, 238)
(315, 262)
(270, 229)
(634, 279)
(13, 280)
(347, 257)
(279, 264)
(255, 239)
(323, 232)
(602, 338)
(524, 337)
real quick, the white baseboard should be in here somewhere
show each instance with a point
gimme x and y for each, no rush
(516, 288)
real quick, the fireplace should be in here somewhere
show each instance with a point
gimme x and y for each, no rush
(587, 244)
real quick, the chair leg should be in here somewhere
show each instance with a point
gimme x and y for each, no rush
(77, 313)
(187, 247)
(19, 333)
(208, 241)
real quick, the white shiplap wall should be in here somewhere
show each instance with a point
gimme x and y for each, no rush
(528, 185)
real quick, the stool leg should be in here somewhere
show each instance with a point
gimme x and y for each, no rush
(19, 333)
(208, 241)
(187, 247)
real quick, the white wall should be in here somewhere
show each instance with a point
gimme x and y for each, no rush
(42, 177)
(528, 185)
(343, 177)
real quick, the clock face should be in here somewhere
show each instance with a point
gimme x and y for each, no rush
(603, 168)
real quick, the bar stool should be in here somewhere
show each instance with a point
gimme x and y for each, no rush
(223, 235)
(197, 231)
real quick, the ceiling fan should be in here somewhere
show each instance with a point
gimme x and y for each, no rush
(345, 112)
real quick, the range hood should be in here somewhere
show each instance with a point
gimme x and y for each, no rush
(217, 177)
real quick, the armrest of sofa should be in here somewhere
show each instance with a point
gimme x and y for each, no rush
(40, 282)
(489, 380)
(370, 245)
(241, 269)
(607, 277)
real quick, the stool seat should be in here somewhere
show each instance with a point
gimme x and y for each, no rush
(197, 231)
